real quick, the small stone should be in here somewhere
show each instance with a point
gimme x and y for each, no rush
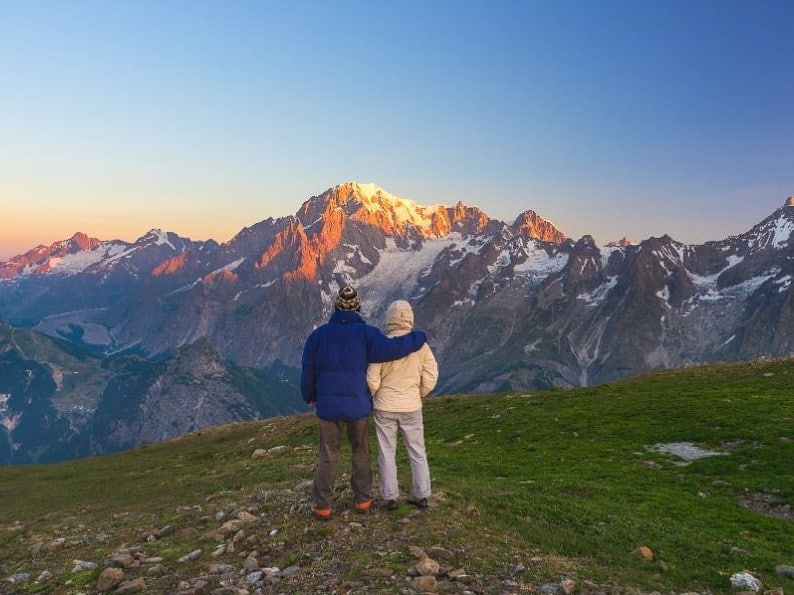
(19, 577)
(188, 557)
(219, 551)
(745, 580)
(289, 571)
(251, 564)
(259, 453)
(784, 570)
(44, 577)
(427, 567)
(232, 526)
(425, 584)
(36, 548)
(643, 552)
(254, 577)
(154, 560)
(221, 568)
(304, 485)
(440, 553)
(246, 517)
(155, 570)
(777, 591)
(416, 552)
(134, 586)
(80, 565)
(567, 586)
(456, 574)
(122, 560)
(550, 588)
(109, 579)
(56, 543)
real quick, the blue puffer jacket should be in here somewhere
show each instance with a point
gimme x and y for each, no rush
(335, 359)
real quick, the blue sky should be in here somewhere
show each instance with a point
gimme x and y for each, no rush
(614, 118)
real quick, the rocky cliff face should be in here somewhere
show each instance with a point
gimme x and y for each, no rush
(57, 404)
(507, 306)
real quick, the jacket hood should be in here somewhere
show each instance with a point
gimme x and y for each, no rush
(399, 317)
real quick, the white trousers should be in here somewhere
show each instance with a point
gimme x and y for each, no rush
(386, 425)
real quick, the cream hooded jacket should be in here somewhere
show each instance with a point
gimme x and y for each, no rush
(400, 385)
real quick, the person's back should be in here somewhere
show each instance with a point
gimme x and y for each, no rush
(400, 385)
(340, 363)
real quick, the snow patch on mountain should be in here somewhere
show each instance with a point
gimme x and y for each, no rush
(600, 293)
(398, 271)
(473, 246)
(229, 267)
(710, 281)
(608, 251)
(784, 282)
(774, 233)
(159, 237)
(501, 262)
(782, 232)
(539, 262)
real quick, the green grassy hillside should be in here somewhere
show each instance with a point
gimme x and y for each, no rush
(530, 489)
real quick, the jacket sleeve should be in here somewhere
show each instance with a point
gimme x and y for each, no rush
(381, 348)
(429, 371)
(308, 389)
(373, 378)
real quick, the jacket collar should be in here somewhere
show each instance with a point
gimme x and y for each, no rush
(346, 317)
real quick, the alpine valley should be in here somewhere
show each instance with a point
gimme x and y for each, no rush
(110, 344)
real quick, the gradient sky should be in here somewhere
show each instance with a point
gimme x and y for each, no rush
(614, 118)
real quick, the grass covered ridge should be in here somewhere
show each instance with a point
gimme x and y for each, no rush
(554, 484)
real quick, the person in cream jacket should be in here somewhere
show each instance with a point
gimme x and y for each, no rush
(398, 388)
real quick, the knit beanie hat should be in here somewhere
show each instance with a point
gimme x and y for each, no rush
(347, 299)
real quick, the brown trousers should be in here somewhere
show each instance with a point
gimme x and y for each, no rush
(361, 472)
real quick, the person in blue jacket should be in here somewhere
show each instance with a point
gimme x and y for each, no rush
(334, 382)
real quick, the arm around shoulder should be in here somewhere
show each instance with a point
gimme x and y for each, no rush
(381, 348)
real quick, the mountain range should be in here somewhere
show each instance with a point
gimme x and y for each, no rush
(506, 305)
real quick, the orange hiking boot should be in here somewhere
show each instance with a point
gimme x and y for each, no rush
(363, 506)
(322, 514)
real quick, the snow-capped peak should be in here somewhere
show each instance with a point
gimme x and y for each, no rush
(375, 199)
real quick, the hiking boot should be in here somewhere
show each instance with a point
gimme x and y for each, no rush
(364, 506)
(418, 502)
(391, 505)
(322, 514)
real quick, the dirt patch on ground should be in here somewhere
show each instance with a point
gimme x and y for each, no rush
(767, 503)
